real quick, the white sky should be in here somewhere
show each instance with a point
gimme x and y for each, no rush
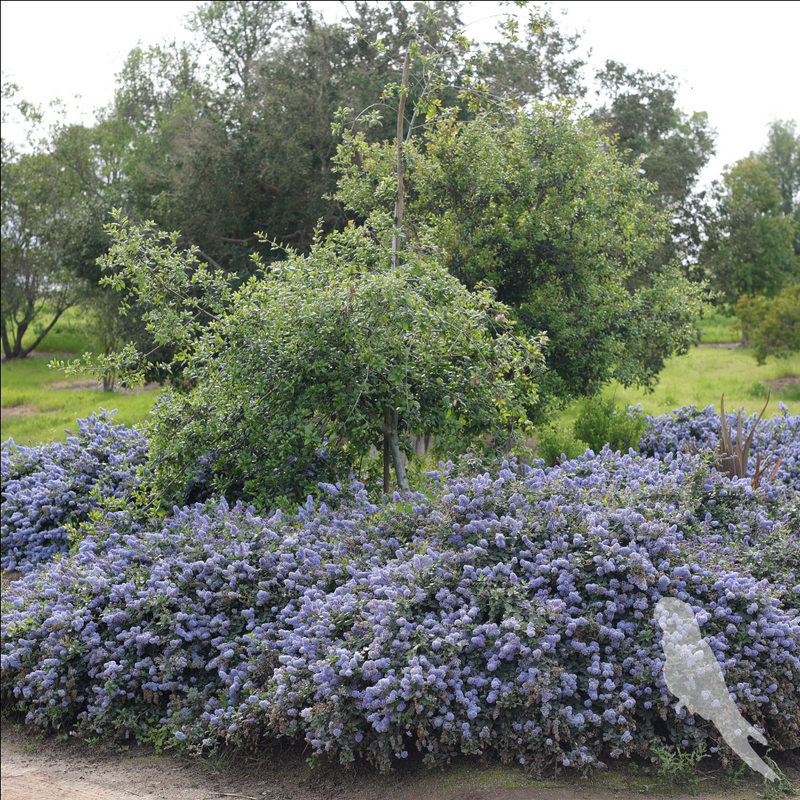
(738, 60)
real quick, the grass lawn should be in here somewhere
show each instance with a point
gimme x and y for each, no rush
(703, 376)
(715, 327)
(69, 335)
(35, 411)
(40, 404)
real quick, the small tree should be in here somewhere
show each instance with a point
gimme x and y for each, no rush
(299, 373)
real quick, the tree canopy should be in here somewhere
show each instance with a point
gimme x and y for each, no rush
(541, 206)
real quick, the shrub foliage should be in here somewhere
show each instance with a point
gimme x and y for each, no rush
(508, 611)
(50, 488)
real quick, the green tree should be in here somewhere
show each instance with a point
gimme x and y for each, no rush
(539, 206)
(781, 157)
(751, 251)
(48, 222)
(538, 65)
(298, 373)
(668, 146)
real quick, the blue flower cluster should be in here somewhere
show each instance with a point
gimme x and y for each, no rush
(509, 611)
(692, 428)
(49, 487)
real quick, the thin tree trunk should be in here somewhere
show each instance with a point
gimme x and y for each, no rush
(23, 352)
(398, 217)
(387, 478)
(6, 343)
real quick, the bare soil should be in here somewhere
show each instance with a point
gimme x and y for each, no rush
(35, 768)
(23, 410)
(780, 383)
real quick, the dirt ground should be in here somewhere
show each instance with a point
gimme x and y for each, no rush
(35, 768)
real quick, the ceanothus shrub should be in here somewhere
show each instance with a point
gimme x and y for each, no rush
(692, 428)
(48, 487)
(510, 612)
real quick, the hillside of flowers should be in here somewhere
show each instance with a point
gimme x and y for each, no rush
(506, 610)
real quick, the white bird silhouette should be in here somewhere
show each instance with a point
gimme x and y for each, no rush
(694, 676)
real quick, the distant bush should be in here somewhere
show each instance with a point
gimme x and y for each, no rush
(48, 488)
(601, 423)
(553, 443)
(772, 326)
(511, 612)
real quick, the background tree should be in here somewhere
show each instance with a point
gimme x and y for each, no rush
(48, 221)
(539, 206)
(668, 146)
(781, 157)
(751, 249)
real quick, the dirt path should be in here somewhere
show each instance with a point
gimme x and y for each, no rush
(49, 769)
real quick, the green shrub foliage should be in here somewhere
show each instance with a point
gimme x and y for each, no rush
(554, 443)
(294, 373)
(771, 325)
(601, 423)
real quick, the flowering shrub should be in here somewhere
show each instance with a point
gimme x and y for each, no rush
(49, 487)
(695, 429)
(511, 612)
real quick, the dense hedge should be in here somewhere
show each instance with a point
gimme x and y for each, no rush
(48, 488)
(510, 611)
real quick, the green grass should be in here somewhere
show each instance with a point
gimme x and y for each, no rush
(26, 384)
(703, 376)
(716, 328)
(69, 334)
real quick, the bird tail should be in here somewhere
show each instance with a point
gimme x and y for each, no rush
(739, 744)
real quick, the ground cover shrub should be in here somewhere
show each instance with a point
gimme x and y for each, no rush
(692, 428)
(507, 611)
(49, 489)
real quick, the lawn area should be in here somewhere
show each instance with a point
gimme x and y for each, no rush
(705, 374)
(69, 335)
(715, 328)
(40, 404)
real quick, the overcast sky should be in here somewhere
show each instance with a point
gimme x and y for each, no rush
(737, 61)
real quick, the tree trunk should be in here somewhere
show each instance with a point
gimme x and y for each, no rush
(6, 343)
(398, 216)
(387, 480)
(24, 351)
(392, 441)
